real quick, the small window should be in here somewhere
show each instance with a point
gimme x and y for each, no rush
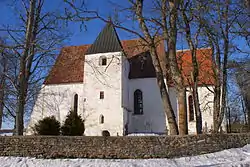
(103, 61)
(102, 95)
(75, 102)
(138, 102)
(191, 108)
(101, 119)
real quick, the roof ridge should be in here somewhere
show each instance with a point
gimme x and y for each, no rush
(180, 50)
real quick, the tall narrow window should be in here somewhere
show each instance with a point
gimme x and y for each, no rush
(138, 102)
(102, 95)
(191, 108)
(103, 61)
(101, 119)
(75, 102)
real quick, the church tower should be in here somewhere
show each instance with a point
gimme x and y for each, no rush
(103, 75)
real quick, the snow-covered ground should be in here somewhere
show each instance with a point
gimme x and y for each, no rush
(236, 157)
(143, 134)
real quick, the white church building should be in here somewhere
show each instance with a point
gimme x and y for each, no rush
(112, 85)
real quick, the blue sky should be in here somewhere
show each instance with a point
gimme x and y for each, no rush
(78, 37)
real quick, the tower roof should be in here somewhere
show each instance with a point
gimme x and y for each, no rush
(107, 41)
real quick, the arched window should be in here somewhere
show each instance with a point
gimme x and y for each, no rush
(191, 108)
(101, 119)
(103, 61)
(75, 102)
(138, 102)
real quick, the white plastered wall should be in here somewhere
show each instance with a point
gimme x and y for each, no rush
(109, 80)
(206, 106)
(56, 100)
(125, 93)
(153, 119)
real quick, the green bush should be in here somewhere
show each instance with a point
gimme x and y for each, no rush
(47, 126)
(73, 125)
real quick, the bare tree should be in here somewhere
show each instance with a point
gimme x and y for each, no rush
(138, 5)
(5, 75)
(219, 24)
(221, 68)
(243, 80)
(2, 83)
(192, 40)
(25, 65)
(34, 45)
(170, 36)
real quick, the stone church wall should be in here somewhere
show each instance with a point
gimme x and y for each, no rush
(119, 147)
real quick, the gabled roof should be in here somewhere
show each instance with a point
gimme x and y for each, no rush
(205, 65)
(69, 66)
(141, 66)
(107, 41)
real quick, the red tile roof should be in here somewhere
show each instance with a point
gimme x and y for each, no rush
(205, 64)
(69, 66)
